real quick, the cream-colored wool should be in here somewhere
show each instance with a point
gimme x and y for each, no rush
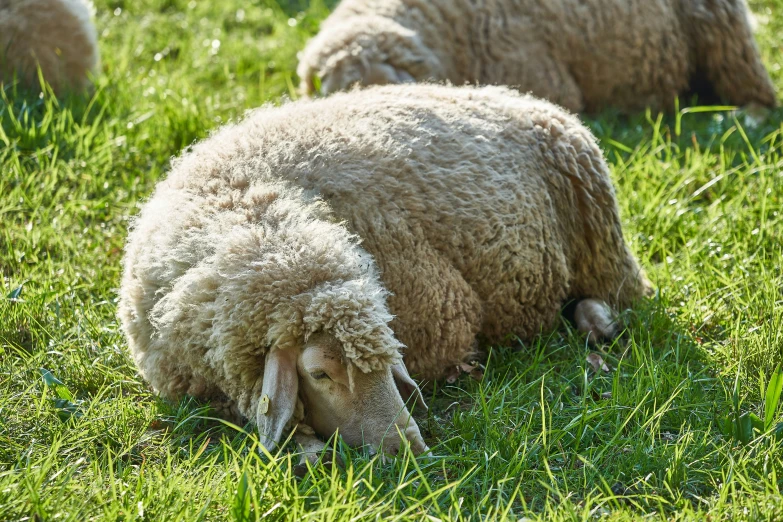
(585, 55)
(478, 211)
(58, 35)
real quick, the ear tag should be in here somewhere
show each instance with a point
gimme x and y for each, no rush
(263, 408)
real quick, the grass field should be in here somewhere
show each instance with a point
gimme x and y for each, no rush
(666, 434)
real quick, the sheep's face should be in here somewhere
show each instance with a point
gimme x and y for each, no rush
(364, 408)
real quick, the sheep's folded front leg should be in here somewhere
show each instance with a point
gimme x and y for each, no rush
(312, 450)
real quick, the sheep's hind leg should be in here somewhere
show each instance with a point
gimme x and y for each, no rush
(596, 319)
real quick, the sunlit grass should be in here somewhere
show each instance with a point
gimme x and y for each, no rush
(539, 436)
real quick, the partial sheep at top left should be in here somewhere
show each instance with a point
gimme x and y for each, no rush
(57, 35)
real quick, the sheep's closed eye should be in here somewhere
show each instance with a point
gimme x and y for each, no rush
(318, 375)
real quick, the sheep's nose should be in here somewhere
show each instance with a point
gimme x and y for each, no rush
(392, 446)
(413, 437)
(419, 447)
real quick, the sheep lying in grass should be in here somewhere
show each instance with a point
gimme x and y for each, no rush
(478, 211)
(58, 35)
(585, 55)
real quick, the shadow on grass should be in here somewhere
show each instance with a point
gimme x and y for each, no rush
(542, 417)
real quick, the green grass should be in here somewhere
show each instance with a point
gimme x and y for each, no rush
(537, 437)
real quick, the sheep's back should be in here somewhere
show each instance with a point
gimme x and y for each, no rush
(624, 53)
(629, 53)
(482, 175)
(510, 191)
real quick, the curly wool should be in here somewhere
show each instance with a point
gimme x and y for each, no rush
(226, 260)
(583, 55)
(484, 210)
(349, 310)
(58, 35)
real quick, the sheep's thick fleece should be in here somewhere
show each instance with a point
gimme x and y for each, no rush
(401, 215)
(585, 55)
(57, 35)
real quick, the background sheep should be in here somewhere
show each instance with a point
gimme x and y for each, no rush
(583, 55)
(484, 210)
(58, 35)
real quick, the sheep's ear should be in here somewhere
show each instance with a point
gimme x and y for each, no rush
(279, 394)
(407, 388)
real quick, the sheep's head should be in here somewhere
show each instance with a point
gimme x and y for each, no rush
(365, 408)
(365, 50)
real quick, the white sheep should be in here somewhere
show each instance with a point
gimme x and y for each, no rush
(585, 55)
(57, 35)
(479, 211)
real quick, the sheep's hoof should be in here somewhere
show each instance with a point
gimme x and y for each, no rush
(596, 319)
(325, 458)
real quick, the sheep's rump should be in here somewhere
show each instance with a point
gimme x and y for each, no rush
(583, 55)
(57, 35)
(483, 209)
